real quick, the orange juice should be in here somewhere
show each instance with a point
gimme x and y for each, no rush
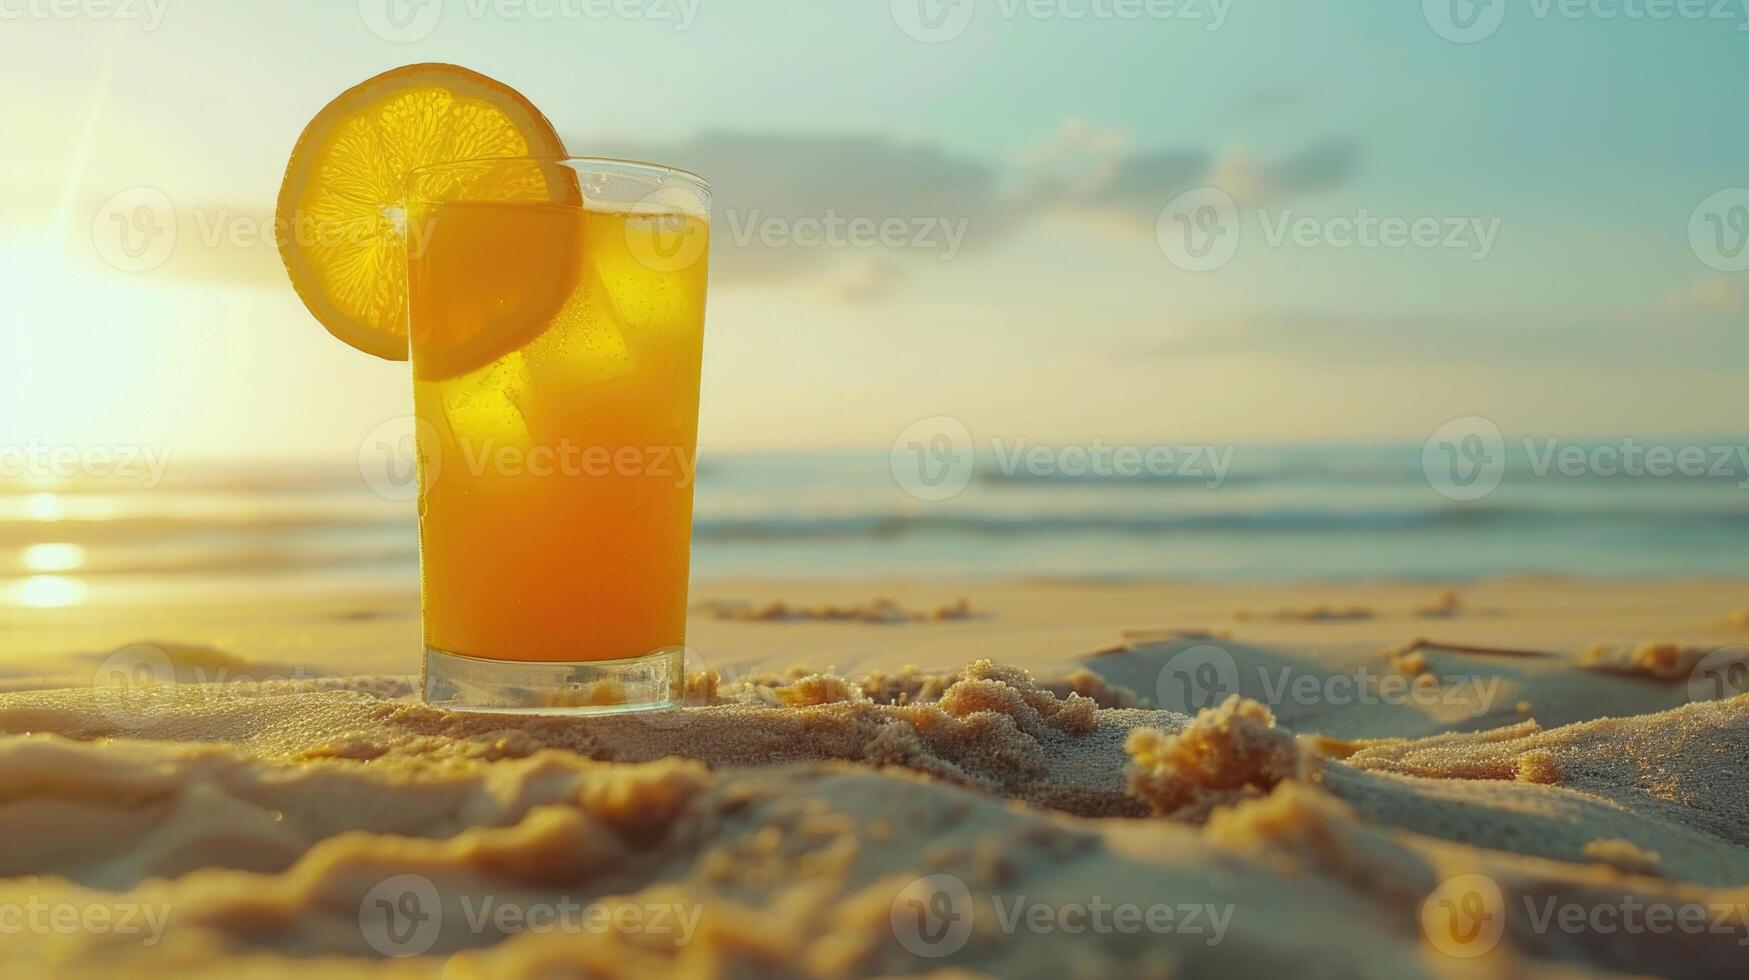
(556, 383)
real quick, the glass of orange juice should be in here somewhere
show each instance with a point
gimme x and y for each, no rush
(555, 350)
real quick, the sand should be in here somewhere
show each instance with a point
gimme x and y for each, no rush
(1021, 790)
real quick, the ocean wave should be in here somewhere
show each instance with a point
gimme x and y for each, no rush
(21, 531)
(893, 525)
(877, 524)
(1375, 474)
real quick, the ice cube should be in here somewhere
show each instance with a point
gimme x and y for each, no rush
(582, 347)
(654, 267)
(480, 408)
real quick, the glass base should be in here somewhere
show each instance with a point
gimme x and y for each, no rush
(570, 687)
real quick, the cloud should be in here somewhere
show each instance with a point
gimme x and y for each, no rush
(1713, 295)
(1081, 169)
(1322, 166)
(1079, 157)
(1102, 169)
(776, 195)
(1144, 182)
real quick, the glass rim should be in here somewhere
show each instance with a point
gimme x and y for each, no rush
(565, 159)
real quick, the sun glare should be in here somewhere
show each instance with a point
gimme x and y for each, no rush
(44, 507)
(53, 557)
(73, 307)
(51, 591)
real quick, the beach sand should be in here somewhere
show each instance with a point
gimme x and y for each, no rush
(1023, 778)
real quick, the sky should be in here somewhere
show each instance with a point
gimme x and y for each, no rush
(1127, 220)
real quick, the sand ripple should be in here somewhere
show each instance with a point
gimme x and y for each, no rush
(774, 829)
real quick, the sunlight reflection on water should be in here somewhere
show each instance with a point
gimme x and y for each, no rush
(44, 506)
(55, 556)
(50, 591)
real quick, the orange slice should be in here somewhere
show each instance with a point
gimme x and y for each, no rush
(350, 196)
(486, 278)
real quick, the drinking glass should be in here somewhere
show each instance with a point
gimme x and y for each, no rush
(556, 329)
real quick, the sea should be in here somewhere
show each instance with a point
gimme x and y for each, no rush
(1269, 513)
